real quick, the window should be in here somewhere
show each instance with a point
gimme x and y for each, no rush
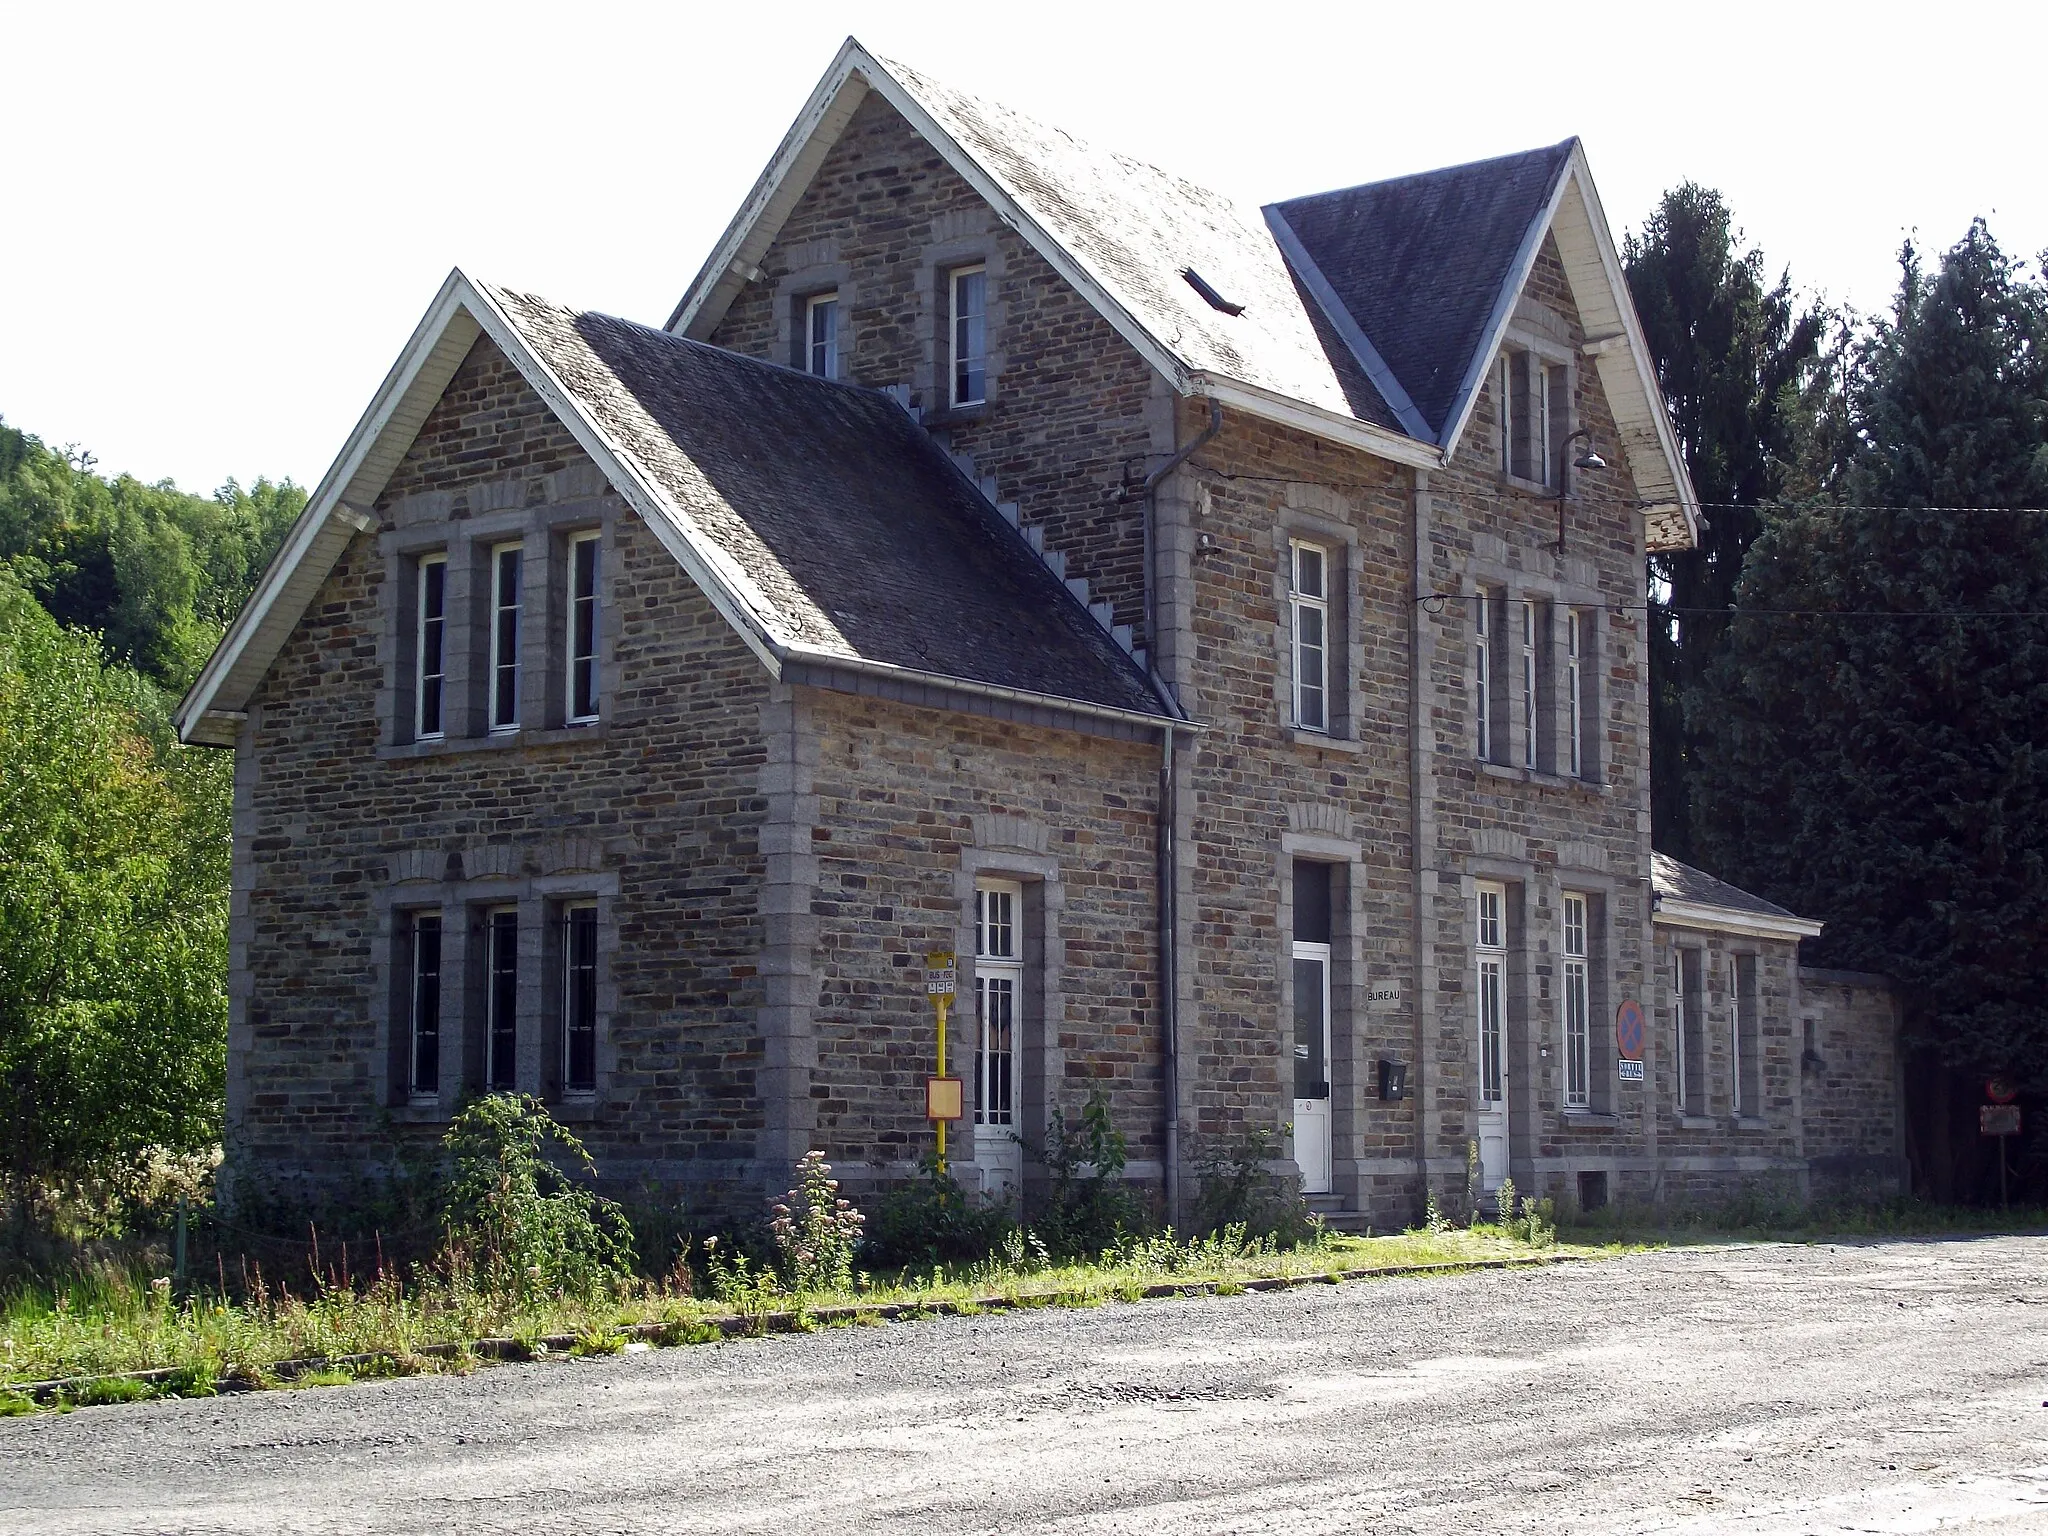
(821, 335)
(1309, 599)
(967, 330)
(1575, 721)
(501, 998)
(998, 985)
(1482, 675)
(423, 1004)
(1577, 989)
(1745, 1075)
(507, 564)
(1529, 691)
(583, 683)
(1689, 1014)
(431, 650)
(579, 997)
(1492, 961)
(1535, 413)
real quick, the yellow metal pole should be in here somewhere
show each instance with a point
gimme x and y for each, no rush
(942, 1001)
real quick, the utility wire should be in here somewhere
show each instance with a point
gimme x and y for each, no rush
(1441, 598)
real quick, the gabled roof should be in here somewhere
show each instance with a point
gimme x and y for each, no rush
(818, 518)
(1368, 317)
(1421, 262)
(1689, 897)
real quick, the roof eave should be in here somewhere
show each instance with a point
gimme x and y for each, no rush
(1332, 426)
(1674, 912)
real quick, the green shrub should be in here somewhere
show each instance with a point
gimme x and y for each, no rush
(523, 1224)
(112, 1389)
(932, 1220)
(1089, 1207)
(1239, 1189)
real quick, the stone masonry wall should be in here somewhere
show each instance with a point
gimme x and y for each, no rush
(1072, 409)
(658, 806)
(911, 804)
(1850, 1085)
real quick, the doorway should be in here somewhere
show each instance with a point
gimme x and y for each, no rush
(1310, 1143)
(1491, 960)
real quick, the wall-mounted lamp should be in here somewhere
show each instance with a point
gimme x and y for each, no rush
(1587, 460)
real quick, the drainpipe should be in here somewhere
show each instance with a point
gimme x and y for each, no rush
(1169, 854)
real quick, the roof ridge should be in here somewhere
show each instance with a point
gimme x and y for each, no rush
(1563, 146)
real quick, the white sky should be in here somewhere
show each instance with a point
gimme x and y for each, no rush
(221, 223)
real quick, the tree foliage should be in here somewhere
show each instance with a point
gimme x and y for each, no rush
(157, 572)
(1736, 357)
(1884, 766)
(114, 855)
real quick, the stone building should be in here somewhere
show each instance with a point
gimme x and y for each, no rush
(1222, 629)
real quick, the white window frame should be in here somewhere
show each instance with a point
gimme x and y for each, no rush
(1575, 706)
(1504, 375)
(1529, 691)
(416, 980)
(1309, 607)
(584, 611)
(502, 665)
(1490, 966)
(1482, 675)
(821, 358)
(1577, 1000)
(570, 911)
(434, 626)
(958, 332)
(998, 974)
(496, 962)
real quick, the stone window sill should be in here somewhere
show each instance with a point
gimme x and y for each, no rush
(419, 1112)
(1541, 779)
(1325, 742)
(1591, 1119)
(455, 745)
(956, 415)
(578, 1107)
(1698, 1123)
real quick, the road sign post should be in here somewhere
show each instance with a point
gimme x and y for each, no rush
(943, 1095)
(1628, 1041)
(2001, 1121)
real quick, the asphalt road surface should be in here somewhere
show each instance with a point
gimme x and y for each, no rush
(1890, 1387)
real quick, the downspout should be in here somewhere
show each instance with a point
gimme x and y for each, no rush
(1423, 837)
(1169, 811)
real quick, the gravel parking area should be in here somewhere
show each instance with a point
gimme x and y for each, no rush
(1891, 1386)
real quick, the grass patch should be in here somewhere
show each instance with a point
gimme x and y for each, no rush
(400, 1328)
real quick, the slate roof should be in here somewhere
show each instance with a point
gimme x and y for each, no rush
(1421, 262)
(842, 523)
(1684, 883)
(1137, 229)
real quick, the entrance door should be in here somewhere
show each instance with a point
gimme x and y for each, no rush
(998, 995)
(1311, 1147)
(1490, 950)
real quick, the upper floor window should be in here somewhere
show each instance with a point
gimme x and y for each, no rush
(1482, 675)
(1309, 601)
(1534, 401)
(1574, 692)
(507, 580)
(821, 335)
(431, 649)
(1530, 689)
(583, 600)
(967, 331)
(1577, 987)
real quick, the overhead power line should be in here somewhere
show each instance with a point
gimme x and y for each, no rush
(1440, 599)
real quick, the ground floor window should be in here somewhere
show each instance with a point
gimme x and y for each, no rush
(579, 997)
(1689, 1014)
(998, 987)
(423, 1003)
(1492, 965)
(1577, 989)
(501, 998)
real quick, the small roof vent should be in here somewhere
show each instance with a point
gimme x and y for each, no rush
(1216, 300)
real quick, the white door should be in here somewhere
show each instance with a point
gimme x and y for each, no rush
(1490, 950)
(1311, 1141)
(998, 997)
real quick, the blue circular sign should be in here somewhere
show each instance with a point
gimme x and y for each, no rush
(1628, 1030)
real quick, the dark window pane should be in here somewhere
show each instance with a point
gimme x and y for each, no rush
(426, 1003)
(504, 1000)
(579, 999)
(1311, 1068)
(1311, 902)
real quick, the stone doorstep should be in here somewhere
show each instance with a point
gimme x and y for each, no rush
(235, 1378)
